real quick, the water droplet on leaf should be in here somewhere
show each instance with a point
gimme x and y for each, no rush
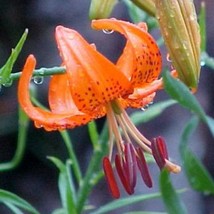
(8, 83)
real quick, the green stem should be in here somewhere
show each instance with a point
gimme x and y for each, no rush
(72, 155)
(40, 72)
(21, 143)
(92, 171)
(93, 134)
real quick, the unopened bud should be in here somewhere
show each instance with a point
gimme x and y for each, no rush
(179, 27)
(146, 5)
(100, 9)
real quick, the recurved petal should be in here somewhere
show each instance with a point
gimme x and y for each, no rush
(141, 59)
(60, 98)
(139, 102)
(142, 96)
(93, 79)
(42, 118)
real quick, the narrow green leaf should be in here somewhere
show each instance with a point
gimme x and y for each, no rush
(125, 202)
(202, 24)
(136, 14)
(145, 5)
(65, 187)
(10, 198)
(140, 11)
(6, 70)
(145, 212)
(210, 124)
(21, 142)
(13, 208)
(66, 196)
(75, 163)
(86, 185)
(152, 112)
(59, 211)
(171, 200)
(178, 91)
(198, 177)
(58, 163)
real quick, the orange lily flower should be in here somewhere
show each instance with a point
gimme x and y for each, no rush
(93, 87)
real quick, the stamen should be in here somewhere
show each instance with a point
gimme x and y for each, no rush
(109, 175)
(142, 165)
(130, 164)
(163, 147)
(111, 140)
(160, 155)
(137, 136)
(158, 152)
(171, 167)
(122, 175)
(115, 129)
(133, 127)
(123, 127)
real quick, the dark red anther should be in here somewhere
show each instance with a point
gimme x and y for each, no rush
(142, 165)
(130, 165)
(159, 151)
(122, 175)
(109, 175)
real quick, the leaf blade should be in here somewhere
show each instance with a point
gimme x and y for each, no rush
(197, 175)
(171, 200)
(7, 197)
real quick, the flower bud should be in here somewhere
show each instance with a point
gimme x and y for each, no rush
(146, 5)
(180, 30)
(100, 9)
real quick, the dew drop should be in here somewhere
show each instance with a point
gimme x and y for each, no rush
(145, 107)
(8, 83)
(171, 15)
(168, 58)
(38, 80)
(184, 47)
(202, 63)
(107, 31)
(38, 125)
(192, 18)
